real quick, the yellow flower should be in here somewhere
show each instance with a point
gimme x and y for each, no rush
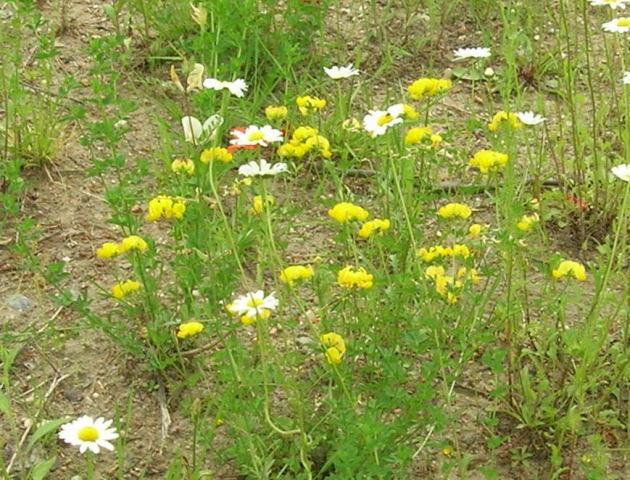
(499, 117)
(468, 274)
(303, 141)
(417, 134)
(433, 272)
(276, 113)
(372, 226)
(292, 274)
(183, 166)
(349, 278)
(459, 251)
(309, 104)
(453, 210)
(123, 289)
(410, 113)
(351, 124)
(437, 251)
(488, 161)
(189, 329)
(335, 347)
(345, 211)
(319, 143)
(569, 267)
(436, 141)
(215, 153)
(108, 250)
(444, 286)
(164, 206)
(258, 206)
(133, 242)
(527, 222)
(428, 87)
(475, 230)
(302, 133)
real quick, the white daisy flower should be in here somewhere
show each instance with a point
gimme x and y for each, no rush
(622, 172)
(341, 72)
(530, 118)
(376, 122)
(254, 135)
(462, 53)
(237, 88)
(253, 306)
(89, 434)
(194, 131)
(626, 78)
(614, 4)
(618, 25)
(262, 168)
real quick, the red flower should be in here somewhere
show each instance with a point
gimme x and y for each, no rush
(581, 204)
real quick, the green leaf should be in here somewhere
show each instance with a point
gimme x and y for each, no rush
(5, 405)
(468, 74)
(45, 429)
(40, 470)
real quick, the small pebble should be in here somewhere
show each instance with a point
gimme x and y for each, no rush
(19, 302)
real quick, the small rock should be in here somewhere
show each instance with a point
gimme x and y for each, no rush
(19, 302)
(73, 395)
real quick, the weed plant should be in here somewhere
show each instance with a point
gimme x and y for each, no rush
(293, 272)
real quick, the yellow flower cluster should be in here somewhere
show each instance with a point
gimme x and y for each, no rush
(258, 206)
(448, 286)
(164, 206)
(303, 141)
(569, 267)
(132, 242)
(454, 210)
(215, 153)
(428, 87)
(183, 166)
(292, 274)
(527, 222)
(418, 134)
(121, 290)
(376, 225)
(488, 161)
(189, 329)
(511, 119)
(308, 104)
(410, 113)
(475, 230)
(276, 113)
(345, 211)
(335, 347)
(437, 251)
(349, 278)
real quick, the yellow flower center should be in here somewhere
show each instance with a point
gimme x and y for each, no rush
(254, 302)
(623, 22)
(88, 434)
(255, 136)
(385, 119)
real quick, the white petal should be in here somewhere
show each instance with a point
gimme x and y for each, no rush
(213, 83)
(237, 88)
(192, 128)
(212, 124)
(105, 444)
